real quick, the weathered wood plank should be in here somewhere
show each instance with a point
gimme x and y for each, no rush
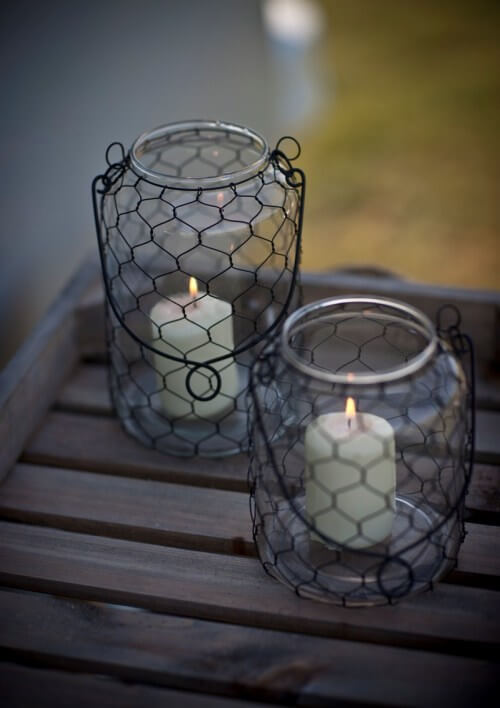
(168, 514)
(479, 557)
(483, 499)
(31, 380)
(98, 444)
(27, 687)
(453, 619)
(488, 392)
(139, 510)
(224, 658)
(87, 391)
(488, 437)
(90, 318)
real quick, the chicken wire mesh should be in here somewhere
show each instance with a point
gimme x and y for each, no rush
(199, 229)
(363, 432)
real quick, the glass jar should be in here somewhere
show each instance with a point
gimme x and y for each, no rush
(199, 232)
(362, 445)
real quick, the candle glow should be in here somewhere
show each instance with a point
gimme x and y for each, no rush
(350, 408)
(193, 287)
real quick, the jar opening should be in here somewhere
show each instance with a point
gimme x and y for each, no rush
(199, 154)
(358, 340)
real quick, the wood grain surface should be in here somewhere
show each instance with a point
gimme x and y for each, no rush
(100, 445)
(177, 515)
(233, 589)
(182, 652)
(23, 687)
(32, 379)
(140, 510)
(130, 578)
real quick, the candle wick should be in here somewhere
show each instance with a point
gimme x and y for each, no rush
(349, 421)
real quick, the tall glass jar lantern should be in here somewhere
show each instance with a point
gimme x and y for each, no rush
(199, 230)
(363, 441)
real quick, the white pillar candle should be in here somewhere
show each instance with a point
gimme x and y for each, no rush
(350, 477)
(204, 332)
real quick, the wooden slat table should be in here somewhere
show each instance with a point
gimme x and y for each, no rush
(129, 578)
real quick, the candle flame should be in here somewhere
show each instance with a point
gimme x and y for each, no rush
(350, 408)
(193, 287)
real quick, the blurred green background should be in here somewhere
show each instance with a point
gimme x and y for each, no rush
(403, 167)
(395, 103)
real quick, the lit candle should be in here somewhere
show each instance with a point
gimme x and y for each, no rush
(350, 477)
(199, 327)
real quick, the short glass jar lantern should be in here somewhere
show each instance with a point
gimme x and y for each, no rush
(363, 441)
(199, 229)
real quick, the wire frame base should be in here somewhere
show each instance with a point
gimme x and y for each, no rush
(326, 573)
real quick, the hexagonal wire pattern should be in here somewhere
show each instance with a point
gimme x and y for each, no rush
(362, 450)
(204, 205)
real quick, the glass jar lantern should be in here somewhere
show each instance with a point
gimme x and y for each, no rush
(363, 437)
(199, 230)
